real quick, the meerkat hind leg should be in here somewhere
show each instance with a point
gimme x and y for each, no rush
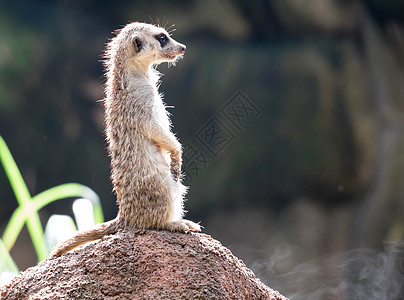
(182, 226)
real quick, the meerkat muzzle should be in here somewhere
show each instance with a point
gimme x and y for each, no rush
(176, 52)
(181, 50)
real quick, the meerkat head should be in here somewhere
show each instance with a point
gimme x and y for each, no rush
(140, 45)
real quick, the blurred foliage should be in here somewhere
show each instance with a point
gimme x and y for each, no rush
(27, 212)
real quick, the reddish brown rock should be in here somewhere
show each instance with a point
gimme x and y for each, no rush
(142, 265)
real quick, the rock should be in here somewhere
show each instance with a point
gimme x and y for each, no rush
(142, 265)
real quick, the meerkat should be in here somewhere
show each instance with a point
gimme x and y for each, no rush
(145, 154)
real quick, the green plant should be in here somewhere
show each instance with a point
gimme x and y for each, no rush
(27, 212)
(6, 262)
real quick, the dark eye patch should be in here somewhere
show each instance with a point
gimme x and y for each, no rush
(162, 38)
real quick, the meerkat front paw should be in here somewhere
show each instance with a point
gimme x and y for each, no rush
(176, 165)
(175, 169)
(183, 226)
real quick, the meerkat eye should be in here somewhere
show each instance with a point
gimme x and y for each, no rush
(163, 39)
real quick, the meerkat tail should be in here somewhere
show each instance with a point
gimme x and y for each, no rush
(83, 237)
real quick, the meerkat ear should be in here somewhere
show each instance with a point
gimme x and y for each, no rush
(137, 44)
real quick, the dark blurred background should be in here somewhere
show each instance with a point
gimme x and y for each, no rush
(313, 169)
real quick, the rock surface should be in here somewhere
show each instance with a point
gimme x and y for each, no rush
(142, 265)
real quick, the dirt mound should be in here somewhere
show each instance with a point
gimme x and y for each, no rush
(142, 265)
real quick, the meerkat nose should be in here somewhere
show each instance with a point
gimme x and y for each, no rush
(183, 48)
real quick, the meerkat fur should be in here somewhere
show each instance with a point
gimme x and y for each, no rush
(145, 154)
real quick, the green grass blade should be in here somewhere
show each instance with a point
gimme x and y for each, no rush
(29, 207)
(37, 236)
(14, 176)
(23, 197)
(19, 216)
(13, 228)
(6, 262)
(70, 190)
(28, 213)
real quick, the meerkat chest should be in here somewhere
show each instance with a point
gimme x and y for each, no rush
(163, 121)
(160, 114)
